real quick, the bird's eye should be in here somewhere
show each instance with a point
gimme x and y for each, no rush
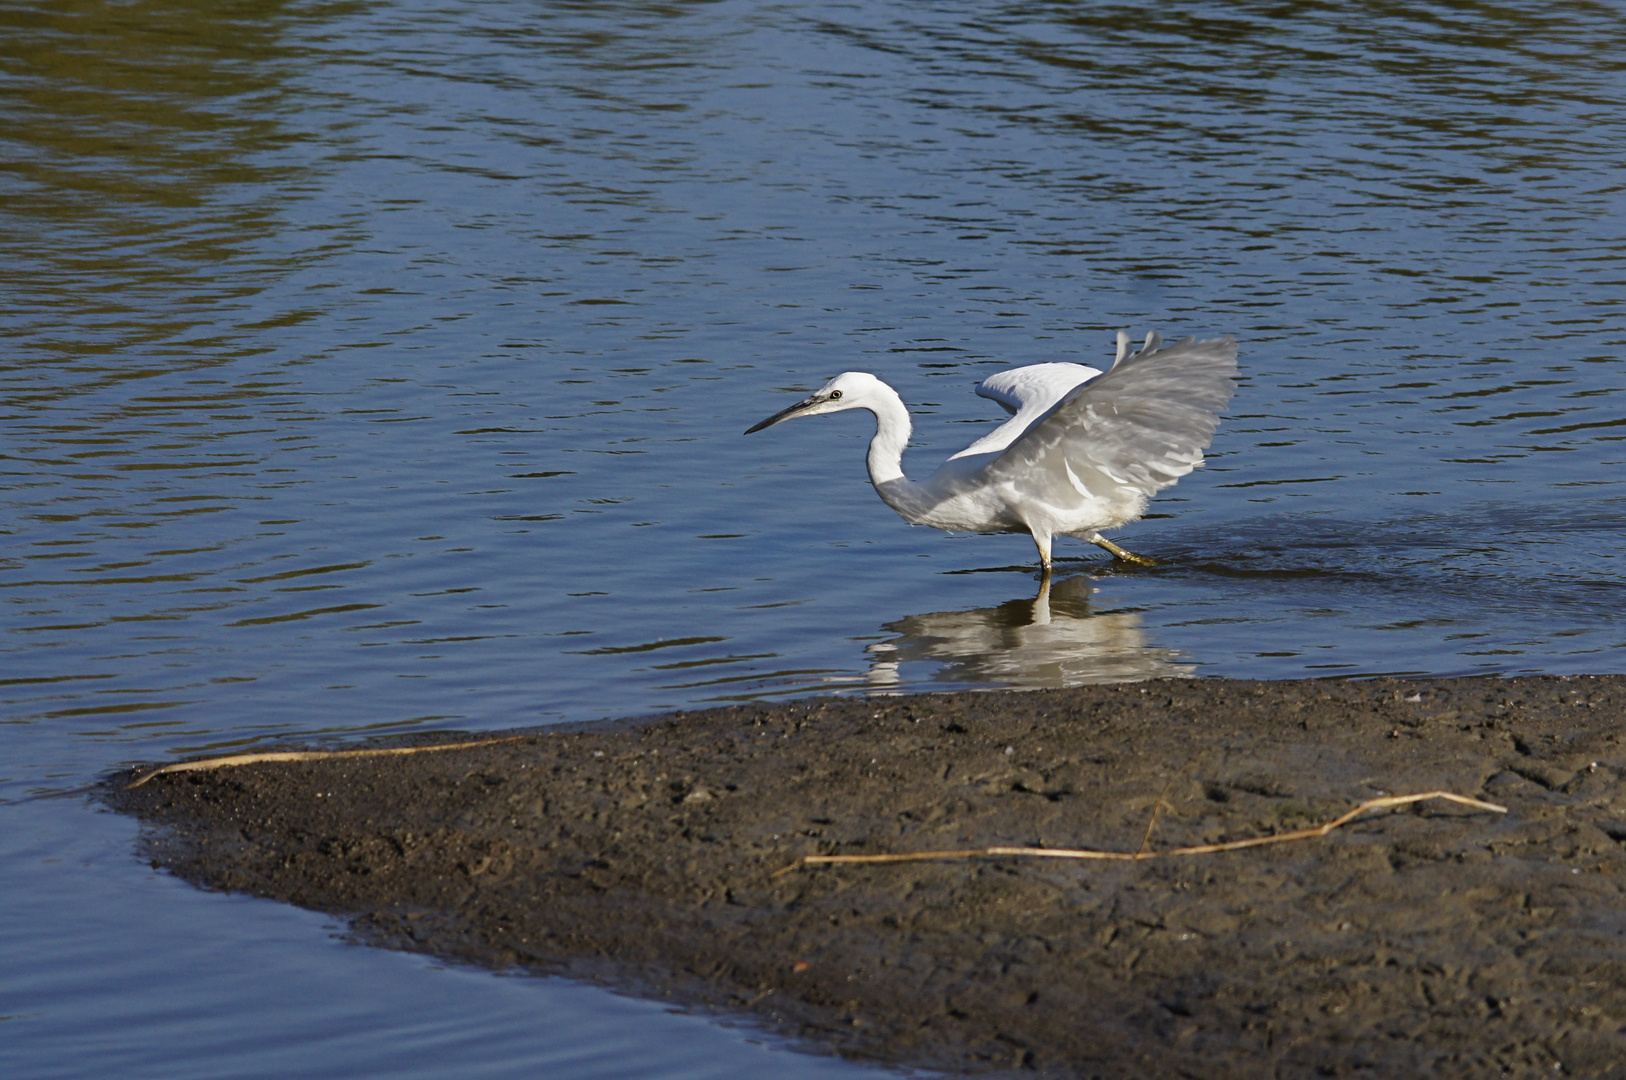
(835, 394)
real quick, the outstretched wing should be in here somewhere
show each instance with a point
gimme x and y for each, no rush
(1037, 386)
(1026, 393)
(1141, 426)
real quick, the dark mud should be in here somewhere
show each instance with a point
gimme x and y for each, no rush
(1436, 941)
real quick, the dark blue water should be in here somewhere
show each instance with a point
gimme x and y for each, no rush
(378, 367)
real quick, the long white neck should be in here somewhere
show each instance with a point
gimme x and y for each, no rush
(891, 435)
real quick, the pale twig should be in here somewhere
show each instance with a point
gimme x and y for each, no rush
(1135, 856)
(1151, 823)
(311, 755)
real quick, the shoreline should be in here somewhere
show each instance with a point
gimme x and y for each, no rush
(650, 855)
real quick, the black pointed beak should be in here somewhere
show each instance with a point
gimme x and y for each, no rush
(785, 414)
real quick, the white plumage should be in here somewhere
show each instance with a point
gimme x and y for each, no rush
(1082, 451)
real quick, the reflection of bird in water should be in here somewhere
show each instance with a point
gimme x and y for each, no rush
(1051, 641)
(1082, 451)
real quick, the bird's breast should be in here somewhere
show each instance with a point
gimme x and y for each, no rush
(957, 508)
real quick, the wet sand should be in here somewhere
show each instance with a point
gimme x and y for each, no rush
(1433, 941)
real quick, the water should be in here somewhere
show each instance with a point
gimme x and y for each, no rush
(376, 367)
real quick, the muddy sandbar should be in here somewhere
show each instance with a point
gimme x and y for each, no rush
(1434, 941)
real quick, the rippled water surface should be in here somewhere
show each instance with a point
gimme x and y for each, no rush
(375, 367)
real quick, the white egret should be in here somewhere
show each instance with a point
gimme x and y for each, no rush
(1082, 451)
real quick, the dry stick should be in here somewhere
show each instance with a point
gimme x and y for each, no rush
(1135, 856)
(311, 755)
(1151, 823)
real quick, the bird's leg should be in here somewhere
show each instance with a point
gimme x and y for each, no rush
(1120, 553)
(1042, 541)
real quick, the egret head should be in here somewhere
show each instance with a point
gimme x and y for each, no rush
(849, 390)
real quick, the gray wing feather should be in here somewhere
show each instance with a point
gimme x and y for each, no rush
(1143, 425)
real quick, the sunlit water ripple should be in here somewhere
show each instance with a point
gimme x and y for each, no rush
(375, 368)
